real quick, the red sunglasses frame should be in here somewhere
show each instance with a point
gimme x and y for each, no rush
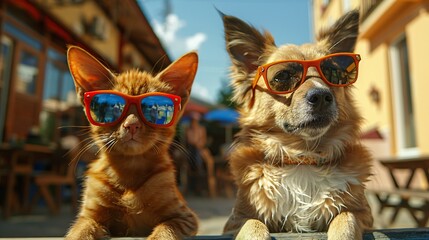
(136, 100)
(263, 69)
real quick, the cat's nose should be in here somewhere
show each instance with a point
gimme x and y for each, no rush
(132, 124)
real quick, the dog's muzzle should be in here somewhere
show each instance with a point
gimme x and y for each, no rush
(319, 99)
(318, 112)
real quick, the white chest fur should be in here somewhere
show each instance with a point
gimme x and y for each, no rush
(296, 198)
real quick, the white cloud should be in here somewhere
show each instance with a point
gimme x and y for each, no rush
(167, 32)
(202, 92)
(194, 42)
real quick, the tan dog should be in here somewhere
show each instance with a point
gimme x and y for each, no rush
(297, 160)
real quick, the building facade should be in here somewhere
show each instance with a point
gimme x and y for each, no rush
(37, 93)
(392, 86)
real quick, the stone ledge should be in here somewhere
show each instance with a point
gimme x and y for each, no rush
(379, 234)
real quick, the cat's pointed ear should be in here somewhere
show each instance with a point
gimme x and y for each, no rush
(88, 73)
(180, 75)
(342, 35)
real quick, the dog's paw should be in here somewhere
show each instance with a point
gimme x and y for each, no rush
(163, 233)
(344, 227)
(253, 230)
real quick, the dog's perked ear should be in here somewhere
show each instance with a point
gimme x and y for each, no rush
(246, 47)
(244, 43)
(342, 36)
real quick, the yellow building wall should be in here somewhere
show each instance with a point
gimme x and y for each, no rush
(71, 15)
(374, 76)
(375, 68)
(133, 59)
(373, 73)
(418, 47)
(332, 12)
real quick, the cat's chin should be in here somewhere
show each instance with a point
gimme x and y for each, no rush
(125, 147)
(132, 147)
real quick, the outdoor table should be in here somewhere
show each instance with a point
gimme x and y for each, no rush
(406, 191)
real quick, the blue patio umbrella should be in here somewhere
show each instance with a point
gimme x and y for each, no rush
(222, 115)
(225, 116)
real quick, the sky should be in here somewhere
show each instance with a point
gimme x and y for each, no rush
(196, 25)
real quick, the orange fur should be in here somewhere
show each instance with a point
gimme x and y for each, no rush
(273, 195)
(130, 190)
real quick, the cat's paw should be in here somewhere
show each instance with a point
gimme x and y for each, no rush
(86, 229)
(253, 230)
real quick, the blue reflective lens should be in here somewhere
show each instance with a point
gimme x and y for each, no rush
(106, 108)
(157, 109)
(339, 69)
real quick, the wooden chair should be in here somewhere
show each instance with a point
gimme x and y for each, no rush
(20, 165)
(63, 176)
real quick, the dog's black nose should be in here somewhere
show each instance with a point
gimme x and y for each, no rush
(319, 98)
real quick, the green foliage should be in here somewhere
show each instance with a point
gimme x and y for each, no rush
(225, 95)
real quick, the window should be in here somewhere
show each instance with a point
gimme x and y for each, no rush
(22, 36)
(27, 73)
(5, 66)
(402, 97)
(59, 97)
(28, 65)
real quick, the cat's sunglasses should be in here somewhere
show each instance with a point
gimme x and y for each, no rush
(281, 77)
(107, 107)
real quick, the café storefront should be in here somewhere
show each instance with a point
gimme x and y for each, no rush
(37, 94)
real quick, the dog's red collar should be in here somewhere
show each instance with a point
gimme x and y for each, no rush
(317, 160)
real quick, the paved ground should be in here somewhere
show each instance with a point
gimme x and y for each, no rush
(213, 214)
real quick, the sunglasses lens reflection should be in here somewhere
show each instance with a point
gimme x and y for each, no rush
(285, 77)
(106, 107)
(158, 109)
(339, 70)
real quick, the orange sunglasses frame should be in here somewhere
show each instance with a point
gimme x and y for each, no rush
(136, 100)
(263, 69)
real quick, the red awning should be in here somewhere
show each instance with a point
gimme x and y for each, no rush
(372, 134)
(195, 107)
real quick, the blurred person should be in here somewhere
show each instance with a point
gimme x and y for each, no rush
(203, 161)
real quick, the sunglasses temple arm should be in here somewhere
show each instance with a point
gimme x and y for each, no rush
(255, 81)
(252, 99)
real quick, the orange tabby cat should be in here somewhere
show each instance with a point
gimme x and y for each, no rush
(130, 190)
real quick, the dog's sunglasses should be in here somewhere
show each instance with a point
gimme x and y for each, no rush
(281, 77)
(107, 107)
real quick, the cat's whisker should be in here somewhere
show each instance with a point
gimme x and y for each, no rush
(110, 144)
(74, 126)
(181, 148)
(104, 140)
(113, 145)
(160, 60)
(85, 147)
(91, 142)
(101, 148)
